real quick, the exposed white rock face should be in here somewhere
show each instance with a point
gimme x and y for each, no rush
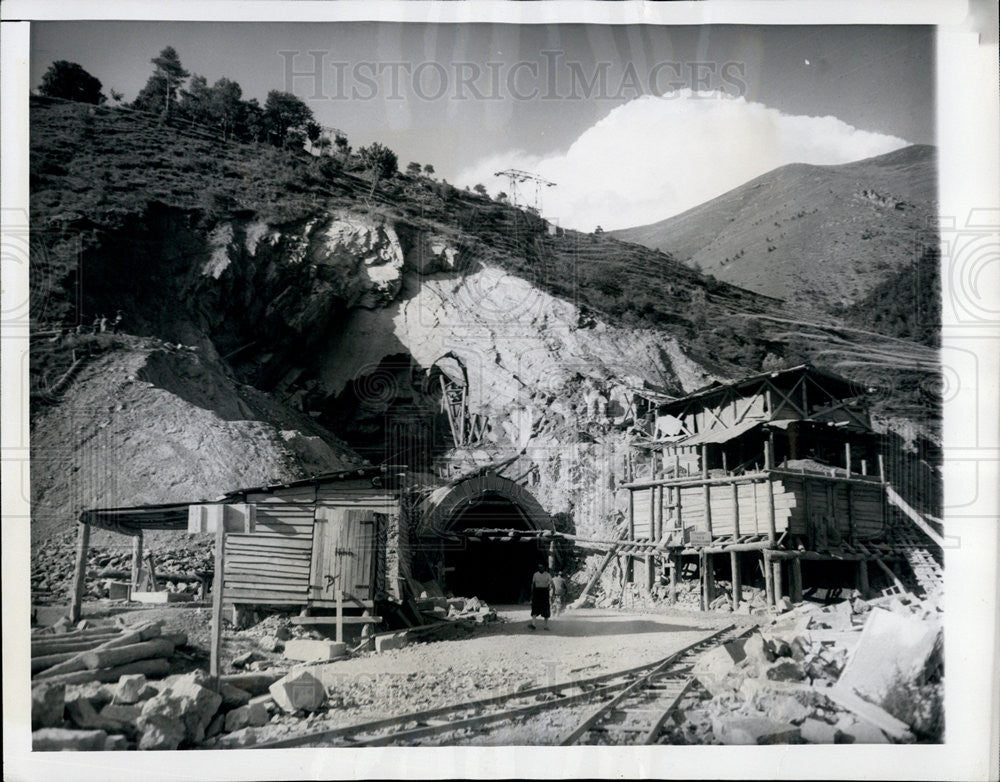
(363, 243)
(219, 241)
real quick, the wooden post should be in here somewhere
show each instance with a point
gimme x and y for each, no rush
(734, 562)
(768, 578)
(736, 513)
(850, 512)
(136, 559)
(340, 615)
(658, 530)
(778, 589)
(709, 579)
(675, 567)
(847, 458)
(702, 568)
(863, 586)
(80, 572)
(552, 555)
(769, 451)
(881, 468)
(796, 580)
(215, 655)
(769, 497)
(707, 491)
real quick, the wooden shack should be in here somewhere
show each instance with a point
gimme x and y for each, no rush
(784, 464)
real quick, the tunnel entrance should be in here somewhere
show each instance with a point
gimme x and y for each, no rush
(492, 570)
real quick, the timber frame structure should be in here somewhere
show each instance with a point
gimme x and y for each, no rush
(783, 466)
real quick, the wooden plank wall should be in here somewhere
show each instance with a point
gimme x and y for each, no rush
(267, 567)
(823, 499)
(753, 511)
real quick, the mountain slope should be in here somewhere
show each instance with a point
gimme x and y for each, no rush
(811, 235)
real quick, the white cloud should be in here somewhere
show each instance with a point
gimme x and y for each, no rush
(655, 157)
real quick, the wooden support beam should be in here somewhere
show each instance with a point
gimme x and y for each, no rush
(888, 572)
(847, 458)
(675, 566)
(703, 604)
(768, 578)
(340, 616)
(863, 586)
(734, 563)
(709, 578)
(215, 653)
(136, 559)
(736, 513)
(778, 584)
(796, 589)
(79, 572)
(771, 524)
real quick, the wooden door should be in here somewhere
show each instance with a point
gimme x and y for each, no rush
(344, 543)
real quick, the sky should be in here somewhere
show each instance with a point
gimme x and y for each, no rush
(633, 123)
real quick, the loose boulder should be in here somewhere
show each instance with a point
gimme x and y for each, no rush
(61, 739)
(187, 702)
(48, 703)
(298, 690)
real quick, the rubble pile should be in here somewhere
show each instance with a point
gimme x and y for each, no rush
(52, 567)
(854, 672)
(183, 710)
(466, 608)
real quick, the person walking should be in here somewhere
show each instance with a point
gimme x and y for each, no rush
(541, 582)
(558, 593)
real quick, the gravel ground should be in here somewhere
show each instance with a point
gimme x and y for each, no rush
(496, 659)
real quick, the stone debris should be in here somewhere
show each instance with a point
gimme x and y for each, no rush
(186, 703)
(853, 672)
(299, 690)
(62, 739)
(48, 703)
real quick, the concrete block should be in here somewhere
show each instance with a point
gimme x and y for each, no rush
(58, 739)
(48, 703)
(383, 643)
(309, 650)
(157, 598)
(298, 690)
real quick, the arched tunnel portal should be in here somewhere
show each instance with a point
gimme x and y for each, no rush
(495, 570)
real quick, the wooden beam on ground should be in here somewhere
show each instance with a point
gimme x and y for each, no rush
(80, 572)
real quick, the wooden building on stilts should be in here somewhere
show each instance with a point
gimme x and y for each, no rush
(774, 479)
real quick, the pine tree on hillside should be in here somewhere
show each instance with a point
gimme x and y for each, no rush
(286, 118)
(160, 92)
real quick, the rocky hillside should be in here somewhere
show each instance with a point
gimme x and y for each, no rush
(282, 316)
(814, 236)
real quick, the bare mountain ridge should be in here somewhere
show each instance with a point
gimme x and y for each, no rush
(812, 235)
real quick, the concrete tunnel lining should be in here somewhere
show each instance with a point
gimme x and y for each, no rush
(498, 572)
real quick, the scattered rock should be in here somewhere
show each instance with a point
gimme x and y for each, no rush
(57, 739)
(160, 732)
(283, 633)
(48, 702)
(246, 737)
(130, 687)
(298, 690)
(115, 743)
(254, 715)
(818, 732)
(753, 730)
(234, 696)
(186, 701)
(785, 670)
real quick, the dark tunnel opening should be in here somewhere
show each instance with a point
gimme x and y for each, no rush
(498, 572)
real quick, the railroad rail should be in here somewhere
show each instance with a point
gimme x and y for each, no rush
(618, 689)
(638, 713)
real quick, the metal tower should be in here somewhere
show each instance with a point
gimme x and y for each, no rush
(516, 179)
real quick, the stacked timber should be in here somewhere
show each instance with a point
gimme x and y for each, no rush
(103, 654)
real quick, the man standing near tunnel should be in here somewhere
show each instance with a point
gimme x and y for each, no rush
(541, 582)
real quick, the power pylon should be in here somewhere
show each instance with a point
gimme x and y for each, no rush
(520, 181)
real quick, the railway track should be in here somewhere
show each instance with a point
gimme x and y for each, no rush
(638, 713)
(645, 694)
